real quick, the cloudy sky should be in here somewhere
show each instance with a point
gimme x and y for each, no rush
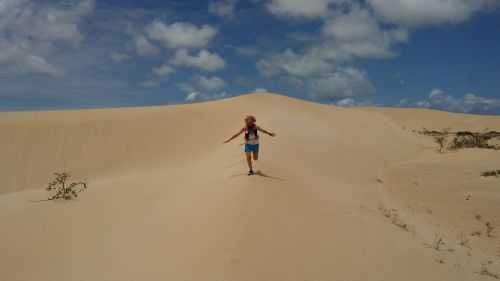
(442, 54)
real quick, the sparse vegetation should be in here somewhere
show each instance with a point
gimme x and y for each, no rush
(476, 233)
(441, 260)
(489, 229)
(392, 215)
(438, 243)
(484, 271)
(495, 173)
(61, 188)
(441, 141)
(448, 141)
(464, 241)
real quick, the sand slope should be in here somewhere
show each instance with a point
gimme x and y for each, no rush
(168, 201)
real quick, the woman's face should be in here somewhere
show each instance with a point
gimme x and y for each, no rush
(248, 121)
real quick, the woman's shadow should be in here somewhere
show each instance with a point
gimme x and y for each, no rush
(259, 173)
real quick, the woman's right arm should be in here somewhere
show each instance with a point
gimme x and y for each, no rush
(235, 136)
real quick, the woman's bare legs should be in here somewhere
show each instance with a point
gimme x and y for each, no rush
(249, 160)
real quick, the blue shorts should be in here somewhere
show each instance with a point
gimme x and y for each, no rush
(252, 148)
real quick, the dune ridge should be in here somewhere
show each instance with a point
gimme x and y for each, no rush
(344, 194)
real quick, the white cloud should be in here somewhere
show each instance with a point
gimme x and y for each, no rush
(193, 96)
(345, 82)
(358, 34)
(145, 48)
(294, 64)
(346, 36)
(36, 64)
(439, 99)
(351, 102)
(204, 60)
(260, 90)
(222, 8)
(159, 73)
(186, 87)
(210, 83)
(347, 102)
(203, 84)
(120, 57)
(204, 88)
(163, 70)
(181, 34)
(33, 33)
(198, 97)
(299, 8)
(22, 61)
(425, 12)
(475, 103)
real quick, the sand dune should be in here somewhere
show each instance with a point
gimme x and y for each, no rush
(344, 194)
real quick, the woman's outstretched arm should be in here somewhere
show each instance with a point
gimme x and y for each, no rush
(235, 136)
(266, 132)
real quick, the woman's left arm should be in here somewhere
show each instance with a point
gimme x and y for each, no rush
(266, 132)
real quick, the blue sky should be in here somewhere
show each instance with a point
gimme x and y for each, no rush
(60, 54)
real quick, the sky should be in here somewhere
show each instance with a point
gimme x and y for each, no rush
(69, 54)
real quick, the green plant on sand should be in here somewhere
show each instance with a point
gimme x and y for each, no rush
(63, 189)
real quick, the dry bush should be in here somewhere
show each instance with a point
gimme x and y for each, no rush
(484, 271)
(441, 260)
(463, 139)
(491, 174)
(489, 229)
(392, 215)
(441, 141)
(62, 189)
(437, 244)
(464, 241)
(473, 140)
(476, 233)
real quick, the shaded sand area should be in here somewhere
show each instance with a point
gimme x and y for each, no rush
(343, 194)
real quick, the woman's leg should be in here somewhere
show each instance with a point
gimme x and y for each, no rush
(255, 155)
(249, 160)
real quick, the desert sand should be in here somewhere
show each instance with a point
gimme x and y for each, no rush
(344, 194)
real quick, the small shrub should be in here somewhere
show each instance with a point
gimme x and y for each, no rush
(63, 189)
(491, 174)
(486, 272)
(441, 141)
(464, 241)
(463, 139)
(392, 215)
(489, 229)
(476, 233)
(437, 243)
